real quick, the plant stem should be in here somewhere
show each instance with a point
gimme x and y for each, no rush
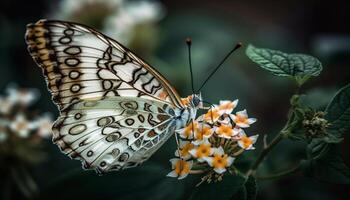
(289, 171)
(264, 152)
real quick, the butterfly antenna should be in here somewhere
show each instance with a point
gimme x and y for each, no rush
(189, 42)
(238, 45)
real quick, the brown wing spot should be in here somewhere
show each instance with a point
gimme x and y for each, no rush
(151, 133)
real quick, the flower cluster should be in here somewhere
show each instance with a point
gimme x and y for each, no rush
(117, 18)
(20, 127)
(212, 141)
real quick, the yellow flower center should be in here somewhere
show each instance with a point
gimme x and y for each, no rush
(203, 150)
(225, 130)
(190, 128)
(182, 167)
(246, 141)
(220, 161)
(201, 132)
(185, 149)
(241, 119)
(212, 115)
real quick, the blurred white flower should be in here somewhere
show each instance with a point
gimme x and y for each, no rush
(22, 96)
(130, 14)
(3, 137)
(44, 125)
(5, 105)
(21, 126)
(121, 18)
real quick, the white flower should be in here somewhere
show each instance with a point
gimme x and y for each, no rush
(202, 151)
(44, 125)
(22, 96)
(185, 148)
(220, 161)
(241, 119)
(181, 168)
(5, 105)
(226, 106)
(247, 142)
(3, 135)
(21, 126)
(129, 15)
(203, 132)
(188, 131)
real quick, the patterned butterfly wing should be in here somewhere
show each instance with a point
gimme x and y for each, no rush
(85, 70)
(114, 132)
(80, 62)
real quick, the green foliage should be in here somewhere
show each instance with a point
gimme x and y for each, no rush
(298, 66)
(147, 182)
(338, 112)
(329, 168)
(225, 189)
(324, 162)
(248, 191)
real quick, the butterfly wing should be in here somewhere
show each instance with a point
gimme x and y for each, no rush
(82, 66)
(114, 132)
(80, 62)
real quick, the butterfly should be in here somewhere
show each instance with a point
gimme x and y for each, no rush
(115, 109)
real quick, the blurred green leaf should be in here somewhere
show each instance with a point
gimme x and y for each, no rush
(145, 182)
(248, 191)
(299, 66)
(330, 168)
(222, 190)
(338, 112)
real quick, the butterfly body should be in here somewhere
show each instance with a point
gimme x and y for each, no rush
(115, 109)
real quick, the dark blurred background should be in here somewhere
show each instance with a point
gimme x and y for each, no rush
(318, 28)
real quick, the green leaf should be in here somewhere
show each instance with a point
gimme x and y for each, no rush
(317, 148)
(330, 168)
(248, 191)
(222, 190)
(299, 66)
(148, 181)
(338, 112)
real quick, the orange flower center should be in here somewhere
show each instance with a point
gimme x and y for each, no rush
(220, 161)
(241, 119)
(186, 148)
(201, 132)
(225, 130)
(190, 128)
(246, 141)
(182, 167)
(203, 150)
